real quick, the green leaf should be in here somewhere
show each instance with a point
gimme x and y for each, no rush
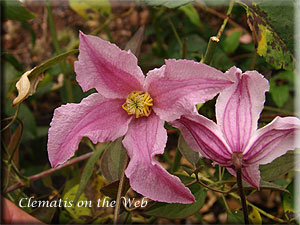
(10, 58)
(278, 167)
(255, 217)
(112, 161)
(232, 41)
(93, 192)
(88, 171)
(111, 190)
(280, 94)
(288, 76)
(167, 3)
(50, 62)
(288, 199)
(91, 9)
(13, 10)
(271, 43)
(280, 15)
(191, 13)
(45, 214)
(77, 211)
(192, 156)
(177, 211)
(235, 217)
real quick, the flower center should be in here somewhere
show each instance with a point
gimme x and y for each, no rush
(138, 103)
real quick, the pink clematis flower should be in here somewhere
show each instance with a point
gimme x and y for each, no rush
(237, 110)
(129, 104)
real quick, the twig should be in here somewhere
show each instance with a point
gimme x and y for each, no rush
(47, 172)
(207, 186)
(13, 118)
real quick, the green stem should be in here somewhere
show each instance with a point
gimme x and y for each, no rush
(260, 210)
(175, 32)
(226, 205)
(183, 56)
(12, 119)
(47, 172)
(208, 187)
(52, 28)
(231, 3)
(283, 111)
(212, 44)
(249, 203)
(213, 41)
(120, 190)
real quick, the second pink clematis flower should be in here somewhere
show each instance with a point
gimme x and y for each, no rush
(129, 104)
(237, 110)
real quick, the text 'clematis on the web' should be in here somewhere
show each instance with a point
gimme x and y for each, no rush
(130, 104)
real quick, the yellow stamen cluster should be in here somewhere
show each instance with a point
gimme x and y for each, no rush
(138, 103)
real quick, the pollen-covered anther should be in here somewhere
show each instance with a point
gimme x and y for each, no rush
(138, 103)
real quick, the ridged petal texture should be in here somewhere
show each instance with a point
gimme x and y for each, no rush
(146, 138)
(180, 84)
(238, 109)
(104, 66)
(239, 106)
(95, 117)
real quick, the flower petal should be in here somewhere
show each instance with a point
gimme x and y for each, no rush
(145, 138)
(102, 65)
(204, 136)
(12, 214)
(273, 140)
(181, 84)
(239, 106)
(95, 117)
(251, 174)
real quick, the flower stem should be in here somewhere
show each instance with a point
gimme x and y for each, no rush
(249, 203)
(213, 41)
(242, 194)
(120, 190)
(212, 44)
